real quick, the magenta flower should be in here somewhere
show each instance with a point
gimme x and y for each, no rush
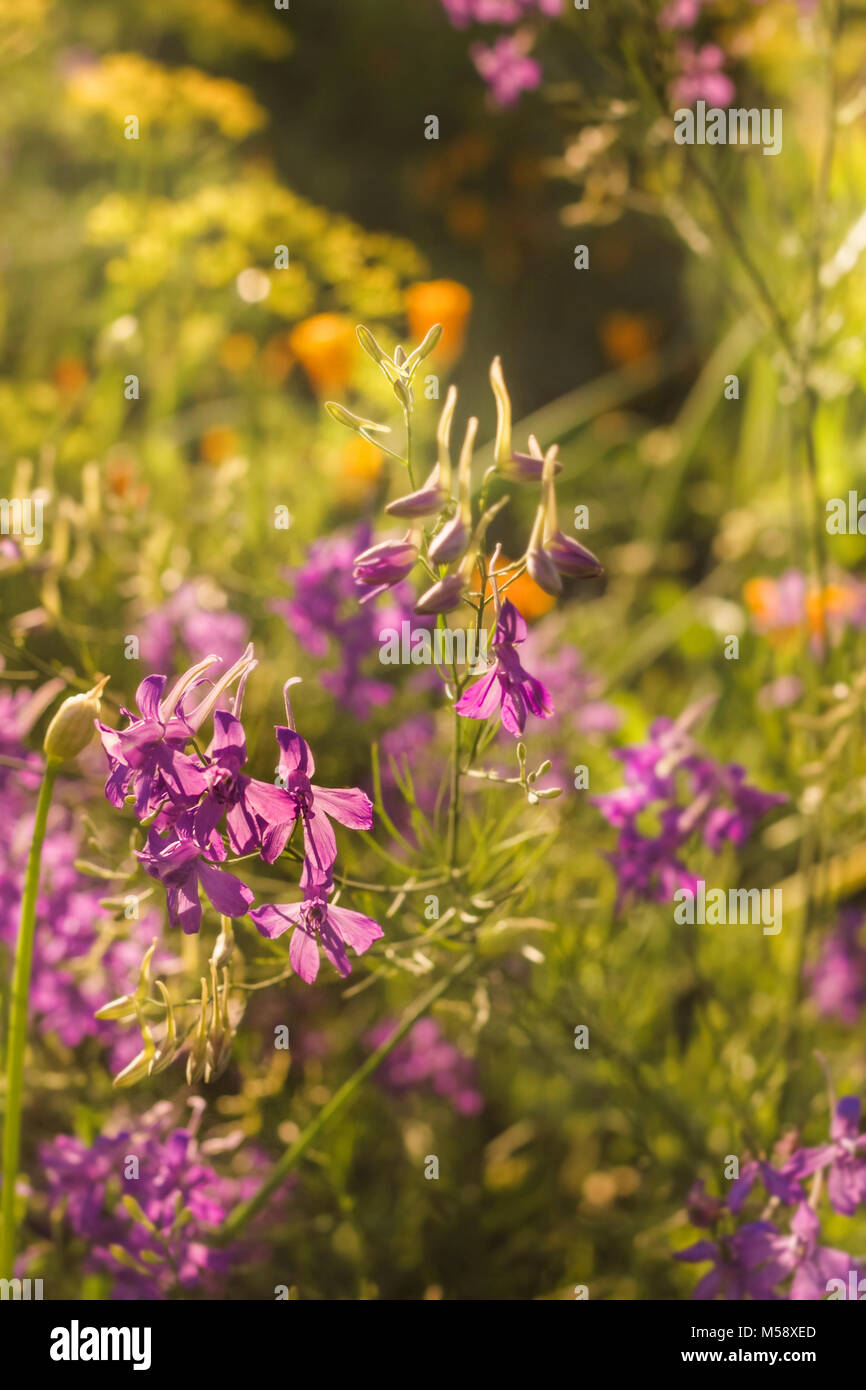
(147, 758)
(506, 69)
(838, 977)
(737, 1272)
(251, 807)
(813, 1265)
(507, 688)
(846, 1180)
(348, 805)
(702, 76)
(315, 923)
(385, 564)
(182, 868)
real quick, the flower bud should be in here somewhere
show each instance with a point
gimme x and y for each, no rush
(73, 725)
(542, 569)
(443, 596)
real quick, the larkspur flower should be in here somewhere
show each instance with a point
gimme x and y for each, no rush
(506, 69)
(315, 922)
(324, 614)
(507, 688)
(689, 795)
(313, 805)
(841, 1159)
(812, 1265)
(838, 976)
(194, 619)
(383, 565)
(183, 1198)
(251, 807)
(425, 1058)
(701, 76)
(147, 758)
(182, 866)
(740, 1264)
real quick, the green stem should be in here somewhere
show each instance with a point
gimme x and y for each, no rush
(18, 1024)
(245, 1211)
(454, 802)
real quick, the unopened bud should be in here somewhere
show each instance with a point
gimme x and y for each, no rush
(72, 727)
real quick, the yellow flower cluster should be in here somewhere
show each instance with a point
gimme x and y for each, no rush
(124, 84)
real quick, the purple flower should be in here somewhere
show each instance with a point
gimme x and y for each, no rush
(324, 613)
(737, 1272)
(427, 501)
(251, 807)
(147, 758)
(688, 794)
(425, 1058)
(506, 69)
(507, 689)
(315, 923)
(681, 14)
(182, 1197)
(846, 1179)
(385, 564)
(182, 868)
(838, 977)
(463, 12)
(814, 1265)
(314, 805)
(194, 619)
(701, 76)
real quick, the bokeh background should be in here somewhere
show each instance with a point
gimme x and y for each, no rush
(153, 258)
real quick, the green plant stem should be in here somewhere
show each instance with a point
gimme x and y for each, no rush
(18, 1024)
(245, 1211)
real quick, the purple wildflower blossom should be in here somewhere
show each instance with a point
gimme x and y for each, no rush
(193, 619)
(701, 76)
(324, 614)
(740, 1264)
(181, 1196)
(507, 688)
(846, 1170)
(147, 758)
(690, 794)
(425, 1058)
(182, 867)
(317, 922)
(506, 69)
(314, 805)
(838, 977)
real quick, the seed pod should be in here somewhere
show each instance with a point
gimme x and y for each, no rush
(73, 725)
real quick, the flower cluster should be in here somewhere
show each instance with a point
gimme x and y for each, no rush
(449, 547)
(199, 806)
(425, 1058)
(672, 781)
(505, 65)
(194, 619)
(145, 1202)
(753, 1260)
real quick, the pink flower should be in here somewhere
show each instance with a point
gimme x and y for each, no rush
(316, 923)
(701, 76)
(508, 687)
(506, 69)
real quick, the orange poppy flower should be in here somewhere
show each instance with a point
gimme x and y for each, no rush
(325, 347)
(440, 301)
